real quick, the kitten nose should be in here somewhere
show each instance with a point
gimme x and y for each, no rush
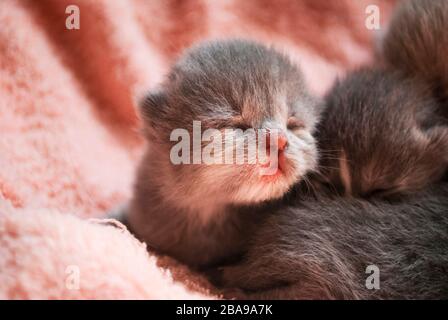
(282, 140)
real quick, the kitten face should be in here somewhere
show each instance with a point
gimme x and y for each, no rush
(381, 135)
(234, 85)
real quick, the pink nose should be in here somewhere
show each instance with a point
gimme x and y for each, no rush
(282, 141)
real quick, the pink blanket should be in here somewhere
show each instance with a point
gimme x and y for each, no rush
(68, 127)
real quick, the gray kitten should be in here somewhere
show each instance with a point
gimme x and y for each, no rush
(381, 134)
(202, 214)
(417, 43)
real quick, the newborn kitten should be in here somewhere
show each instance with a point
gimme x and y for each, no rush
(417, 43)
(202, 214)
(380, 135)
(322, 249)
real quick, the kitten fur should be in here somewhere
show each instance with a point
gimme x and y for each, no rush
(320, 249)
(417, 43)
(201, 214)
(380, 134)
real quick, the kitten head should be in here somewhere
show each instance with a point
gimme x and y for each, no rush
(381, 134)
(238, 88)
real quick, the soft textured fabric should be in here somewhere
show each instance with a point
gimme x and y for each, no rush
(69, 138)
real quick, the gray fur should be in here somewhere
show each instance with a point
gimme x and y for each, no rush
(417, 43)
(320, 248)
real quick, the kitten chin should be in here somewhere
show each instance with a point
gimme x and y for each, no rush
(198, 212)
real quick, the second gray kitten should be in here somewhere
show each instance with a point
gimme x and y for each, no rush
(385, 131)
(381, 134)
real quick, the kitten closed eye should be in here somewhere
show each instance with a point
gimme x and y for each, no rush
(295, 124)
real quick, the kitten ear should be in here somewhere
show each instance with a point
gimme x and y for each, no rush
(152, 106)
